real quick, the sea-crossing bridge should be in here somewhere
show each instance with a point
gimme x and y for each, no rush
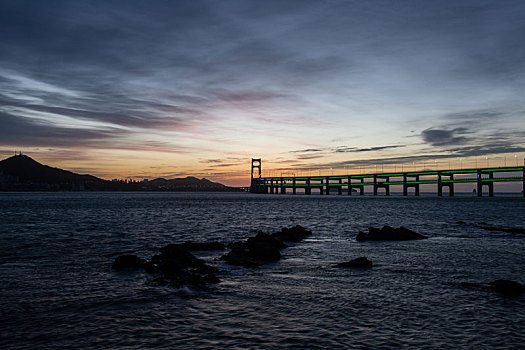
(349, 184)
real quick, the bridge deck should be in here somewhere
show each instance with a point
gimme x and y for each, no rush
(485, 177)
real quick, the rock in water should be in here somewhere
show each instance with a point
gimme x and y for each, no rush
(508, 288)
(128, 262)
(292, 234)
(388, 233)
(255, 251)
(361, 262)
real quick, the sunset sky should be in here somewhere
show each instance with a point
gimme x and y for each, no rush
(175, 88)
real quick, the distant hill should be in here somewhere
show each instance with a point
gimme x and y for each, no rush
(22, 173)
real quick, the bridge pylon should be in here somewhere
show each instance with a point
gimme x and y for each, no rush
(255, 186)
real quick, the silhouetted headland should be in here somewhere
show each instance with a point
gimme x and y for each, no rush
(22, 173)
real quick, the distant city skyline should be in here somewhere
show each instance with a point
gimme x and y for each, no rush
(168, 89)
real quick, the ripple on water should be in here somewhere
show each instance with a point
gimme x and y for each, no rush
(58, 290)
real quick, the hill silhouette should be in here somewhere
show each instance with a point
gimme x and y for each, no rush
(22, 173)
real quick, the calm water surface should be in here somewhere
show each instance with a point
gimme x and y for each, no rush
(58, 289)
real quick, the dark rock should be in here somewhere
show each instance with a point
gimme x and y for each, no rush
(237, 245)
(240, 257)
(264, 252)
(508, 288)
(177, 266)
(292, 234)
(177, 255)
(128, 262)
(264, 240)
(388, 233)
(255, 251)
(361, 262)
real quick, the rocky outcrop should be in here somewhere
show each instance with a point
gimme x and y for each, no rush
(292, 234)
(361, 262)
(508, 288)
(388, 233)
(255, 251)
(176, 266)
(263, 247)
(128, 262)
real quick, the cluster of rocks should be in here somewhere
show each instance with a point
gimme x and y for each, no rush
(388, 233)
(263, 247)
(176, 265)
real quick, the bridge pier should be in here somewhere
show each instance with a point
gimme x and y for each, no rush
(479, 184)
(308, 187)
(451, 186)
(340, 188)
(440, 185)
(294, 189)
(375, 185)
(406, 184)
(362, 187)
(327, 186)
(349, 189)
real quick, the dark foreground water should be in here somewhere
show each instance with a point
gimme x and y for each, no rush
(58, 290)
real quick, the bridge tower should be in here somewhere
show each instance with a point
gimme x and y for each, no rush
(255, 180)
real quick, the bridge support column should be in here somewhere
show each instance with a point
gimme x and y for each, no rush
(340, 188)
(491, 185)
(321, 188)
(362, 188)
(387, 187)
(479, 184)
(349, 189)
(523, 178)
(440, 186)
(405, 185)
(308, 187)
(272, 190)
(417, 186)
(375, 185)
(283, 189)
(294, 190)
(451, 187)
(327, 186)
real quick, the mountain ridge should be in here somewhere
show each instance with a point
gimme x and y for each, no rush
(22, 173)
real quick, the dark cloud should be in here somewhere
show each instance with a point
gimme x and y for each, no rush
(308, 150)
(346, 149)
(442, 137)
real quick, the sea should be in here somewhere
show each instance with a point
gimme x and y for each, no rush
(58, 291)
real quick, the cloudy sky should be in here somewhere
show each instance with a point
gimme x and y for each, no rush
(177, 88)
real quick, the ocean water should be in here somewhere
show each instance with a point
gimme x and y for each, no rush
(57, 288)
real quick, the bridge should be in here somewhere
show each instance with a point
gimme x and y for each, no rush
(484, 178)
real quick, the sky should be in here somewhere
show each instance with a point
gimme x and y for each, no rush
(147, 89)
